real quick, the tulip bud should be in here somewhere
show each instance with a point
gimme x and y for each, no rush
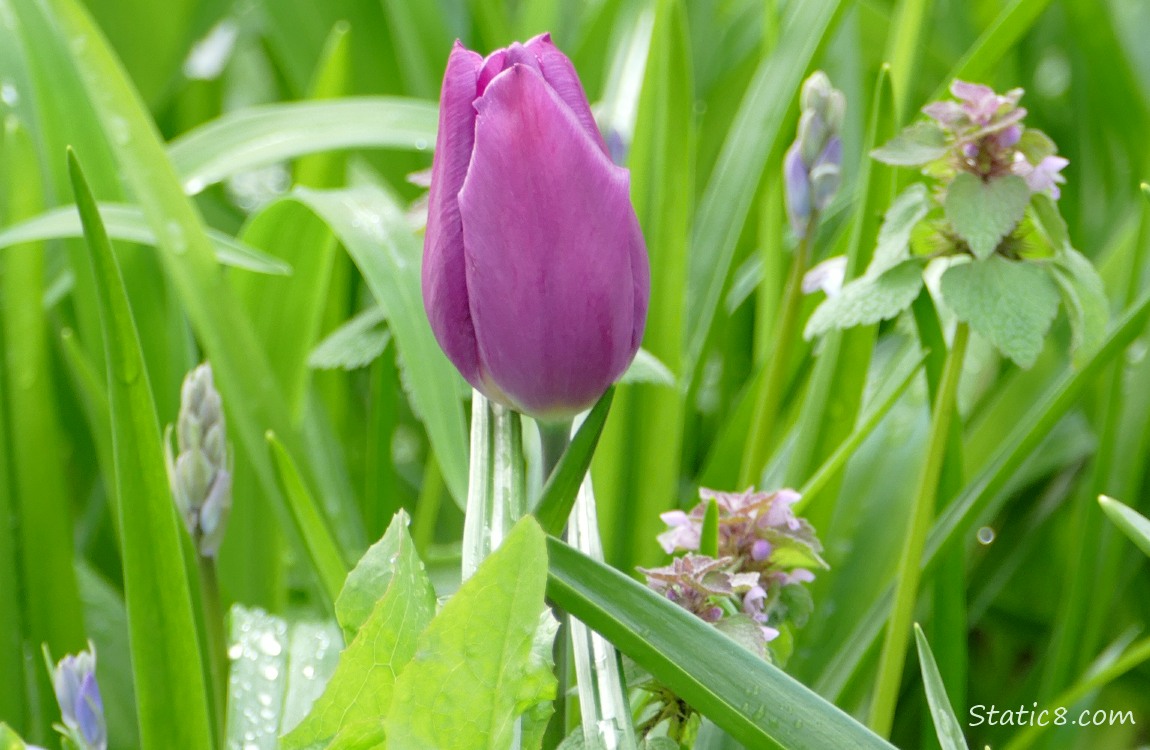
(535, 274)
(200, 474)
(81, 707)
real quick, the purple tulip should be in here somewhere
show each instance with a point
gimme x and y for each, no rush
(535, 275)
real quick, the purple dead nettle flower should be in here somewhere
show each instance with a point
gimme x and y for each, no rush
(535, 274)
(985, 131)
(696, 583)
(78, 693)
(761, 541)
(757, 529)
(812, 166)
(200, 473)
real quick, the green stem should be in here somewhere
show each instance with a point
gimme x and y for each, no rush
(217, 645)
(770, 396)
(908, 575)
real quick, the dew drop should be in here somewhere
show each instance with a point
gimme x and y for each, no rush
(309, 672)
(985, 535)
(9, 94)
(420, 145)
(236, 651)
(270, 645)
(270, 672)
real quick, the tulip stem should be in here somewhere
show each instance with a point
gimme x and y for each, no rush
(768, 399)
(217, 646)
(497, 483)
(909, 572)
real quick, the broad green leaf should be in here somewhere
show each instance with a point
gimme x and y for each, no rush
(259, 136)
(376, 236)
(562, 486)
(1133, 524)
(869, 299)
(362, 688)
(127, 223)
(355, 344)
(983, 213)
(369, 579)
(107, 627)
(756, 131)
(366, 735)
(907, 210)
(166, 659)
(278, 670)
(1010, 303)
(753, 701)
(437, 704)
(946, 726)
(646, 368)
(312, 526)
(921, 143)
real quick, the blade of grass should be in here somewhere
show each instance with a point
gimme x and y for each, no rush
(755, 702)
(1132, 523)
(42, 497)
(562, 487)
(258, 136)
(127, 223)
(325, 553)
(166, 658)
(13, 703)
(945, 724)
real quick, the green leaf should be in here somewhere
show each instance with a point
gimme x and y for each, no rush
(362, 688)
(367, 583)
(259, 136)
(1133, 524)
(562, 486)
(904, 214)
(355, 344)
(646, 368)
(756, 703)
(439, 705)
(166, 658)
(1036, 146)
(921, 143)
(709, 536)
(366, 735)
(1081, 287)
(868, 299)
(982, 213)
(278, 670)
(945, 724)
(127, 223)
(1010, 303)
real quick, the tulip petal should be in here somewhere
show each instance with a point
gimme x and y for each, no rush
(557, 272)
(444, 280)
(560, 74)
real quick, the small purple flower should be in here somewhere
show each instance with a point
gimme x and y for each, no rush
(754, 606)
(535, 272)
(1045, 177)
(694, 582)
(78, 694)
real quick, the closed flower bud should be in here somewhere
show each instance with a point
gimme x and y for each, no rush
(78, 694)
(200, 473)
(812, 169)
(535, 275)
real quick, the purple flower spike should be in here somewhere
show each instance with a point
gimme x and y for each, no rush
(81, 707)
(535, 272)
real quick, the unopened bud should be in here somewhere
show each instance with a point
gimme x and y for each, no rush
(200, 474)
